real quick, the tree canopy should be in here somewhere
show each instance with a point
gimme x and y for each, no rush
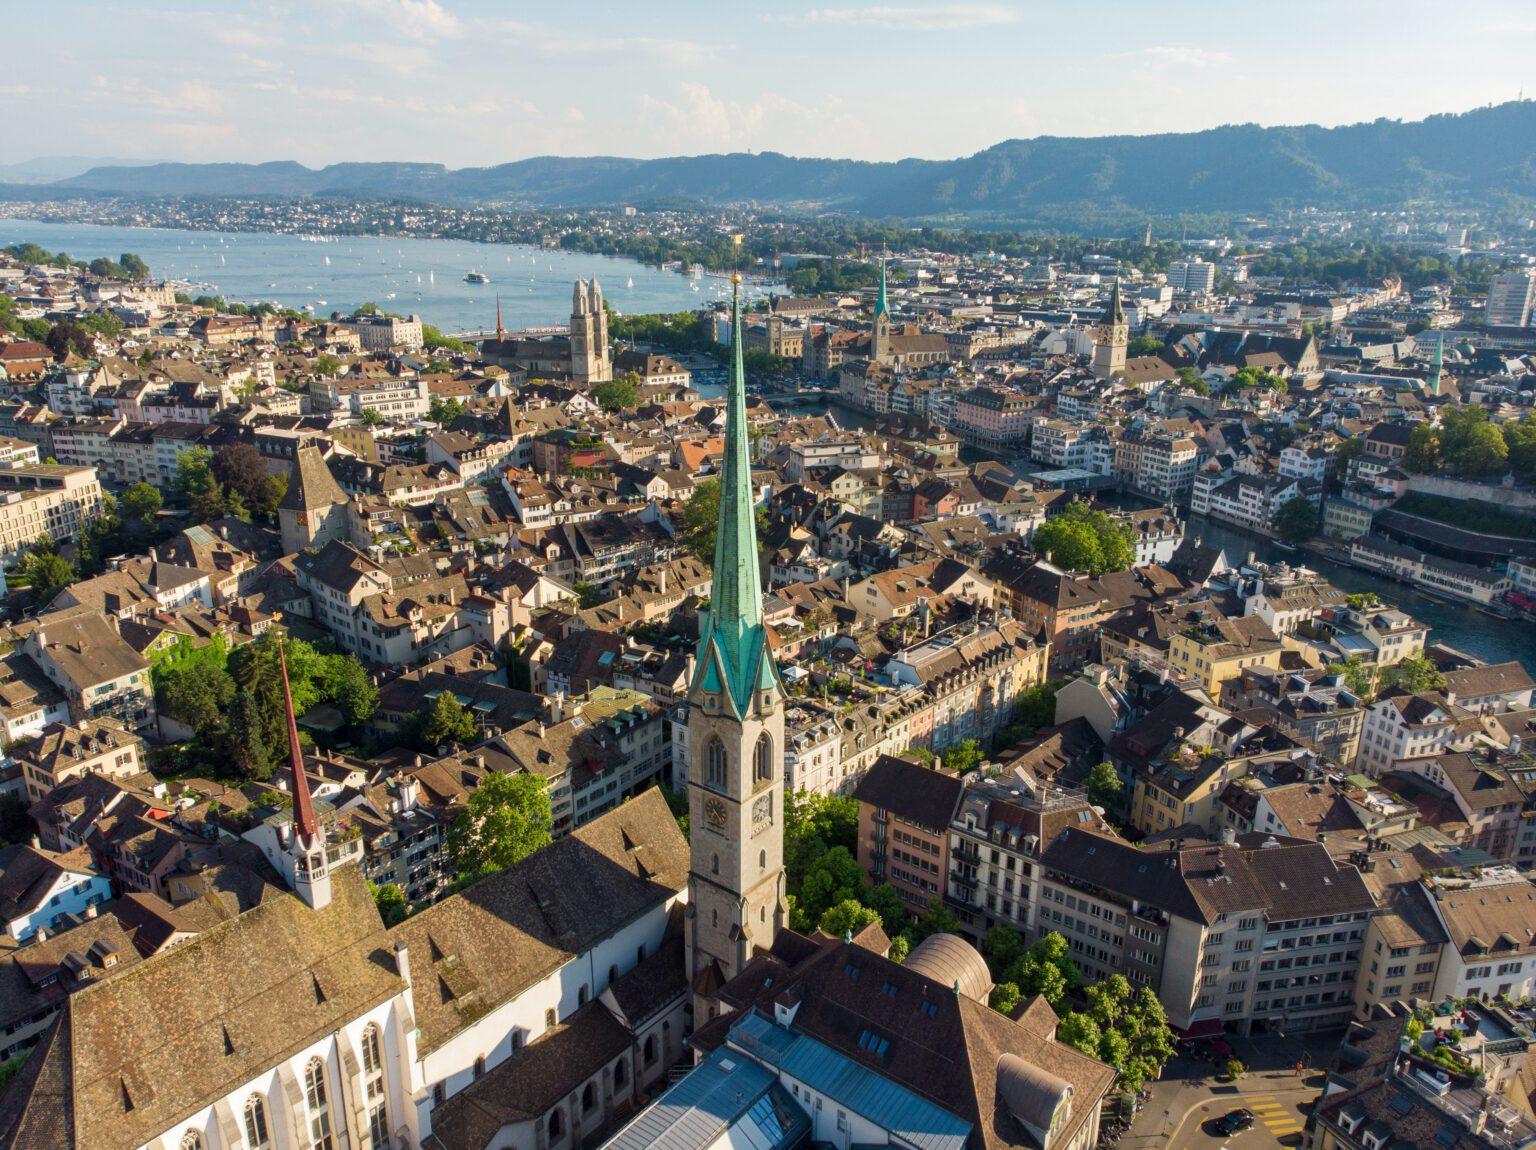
(1081, 539)
(1296, 521)
(506, 818)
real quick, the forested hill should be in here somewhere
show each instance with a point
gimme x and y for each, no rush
(1487, 155)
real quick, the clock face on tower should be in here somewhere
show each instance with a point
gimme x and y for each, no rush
(714, 811)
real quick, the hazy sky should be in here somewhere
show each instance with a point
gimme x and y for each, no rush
(474, 82)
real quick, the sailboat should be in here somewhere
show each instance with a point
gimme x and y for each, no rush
(327, 261)
(631, 282)
(431, 277)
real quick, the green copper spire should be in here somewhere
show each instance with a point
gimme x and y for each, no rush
(1114, 314)
(1436, 365)
(882, 307)
(733, 643)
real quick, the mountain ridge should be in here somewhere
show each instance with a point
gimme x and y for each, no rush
(1485, 153)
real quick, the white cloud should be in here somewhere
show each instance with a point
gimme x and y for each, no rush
(698, 120)
(925, 18)
(1177, 56)
(407, 18)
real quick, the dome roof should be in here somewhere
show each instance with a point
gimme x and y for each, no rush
(953, 962)
(1031, 1094)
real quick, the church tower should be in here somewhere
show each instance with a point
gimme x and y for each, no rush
(1437, 365)
(591, 359)
(1110, 339)
(880, 334)
(736, 898)
(296, 847)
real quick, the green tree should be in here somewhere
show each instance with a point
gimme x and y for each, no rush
(587, 595)
(701, 516)
(1104, 786)
(1081, 539)
(618, 394)
(1520, 438)
(390, 900)
(901, 946)
(47, 573)
(371, 417)
(1422, 454)
(1484, 453)
(965, 757)
(195, 694)
(196, 485)
(1005, 998)
(847, 917)
(833, 878)
(1296, 521)
(885, 900)
(445, 721)
(1133, 1031)
(1144, 345)
(1359, 677)
(135, 267)
(506, 819)
(243, 472)
(1045, 969)
(344, 681)
(1412, 674)
(140, 504)
(327, 365)
(1002, 947)
(245, 745)
(1190, 378)
(444, 411)
(934, 920)
(1080, 1032)
(433, 339)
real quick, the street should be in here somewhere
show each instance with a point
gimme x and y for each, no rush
(1186, 1102)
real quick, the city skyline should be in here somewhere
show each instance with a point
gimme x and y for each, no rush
(463, 83)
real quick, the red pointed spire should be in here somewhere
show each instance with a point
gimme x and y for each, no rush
(304, 822)
(498, 315)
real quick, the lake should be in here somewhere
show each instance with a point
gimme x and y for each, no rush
(425, 277)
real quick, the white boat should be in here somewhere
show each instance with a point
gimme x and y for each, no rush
(320, 303)
(631, 282)
(327, 261)
(431, 277)
(389, 295)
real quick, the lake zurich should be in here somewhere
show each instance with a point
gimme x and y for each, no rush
(425, 277)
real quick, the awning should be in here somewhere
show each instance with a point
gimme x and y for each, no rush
(1205, 1028)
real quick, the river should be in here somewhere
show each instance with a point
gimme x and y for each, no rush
(1492, 640)
(424, 277)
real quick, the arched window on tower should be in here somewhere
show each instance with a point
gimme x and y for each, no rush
(764, 770)
(714, 765)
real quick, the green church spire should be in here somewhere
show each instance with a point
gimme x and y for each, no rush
(882, 307)
(733, 641)
(1437, 365)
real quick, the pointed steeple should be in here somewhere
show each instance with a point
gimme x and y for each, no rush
(1114, 313)
(305, 825)
(733, 654)
(499, 329)
(1437, 365)
(882, 305)
(579, 298)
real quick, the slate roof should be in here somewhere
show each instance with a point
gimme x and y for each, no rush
(147, 1046)
(484, 945)
(915, 793)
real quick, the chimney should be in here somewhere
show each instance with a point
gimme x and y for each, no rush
(403, 962)
(556, 708)
(1515, 744)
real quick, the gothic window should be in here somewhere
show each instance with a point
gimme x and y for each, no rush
(762, 860)
(714, 918)
(763, 769)
(588, 1097)
(650, 1050)
(373, 1086)
(318, 1104)
(620, 1075)
(714, 769)
(714, 864)
(257, 1136)
(556, 1125)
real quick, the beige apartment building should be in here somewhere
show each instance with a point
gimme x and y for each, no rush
(45, 499)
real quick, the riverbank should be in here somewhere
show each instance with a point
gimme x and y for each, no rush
(1454, 624)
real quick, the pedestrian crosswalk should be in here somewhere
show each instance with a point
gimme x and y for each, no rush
(1275, 1117)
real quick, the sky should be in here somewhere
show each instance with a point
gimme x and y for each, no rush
(479, 82)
